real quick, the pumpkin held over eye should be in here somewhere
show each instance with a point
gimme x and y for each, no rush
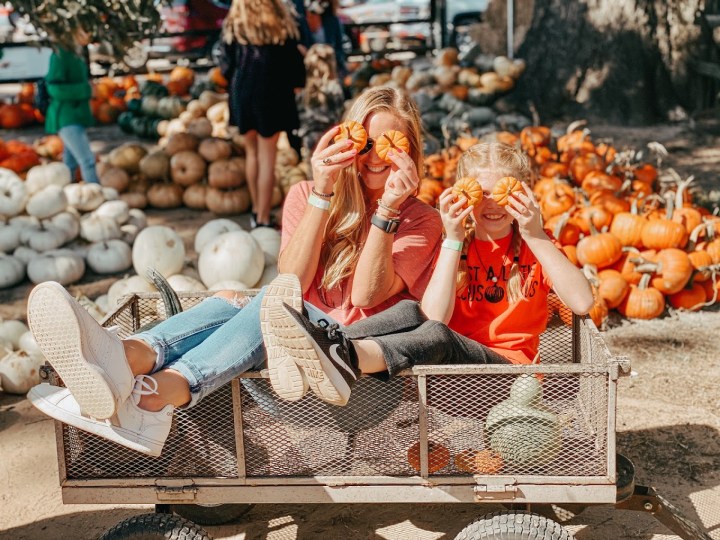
(506, 186)
(469, 188)
(391, 140)
(353, 131)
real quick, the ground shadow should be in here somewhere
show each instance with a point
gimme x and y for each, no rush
(76, 525)
(8, 414)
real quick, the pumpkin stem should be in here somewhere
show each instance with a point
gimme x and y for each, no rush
(681, 187)
(593, 229)
(695, 234)
(669, 205)
(591, 273)
(574, 126)
(644, 281)
(560, 225)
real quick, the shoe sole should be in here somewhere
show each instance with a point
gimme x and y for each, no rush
(286, 378)
(112, 433)
(324, 378)
(56, 327)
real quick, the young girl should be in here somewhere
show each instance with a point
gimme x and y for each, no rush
(126, 390)
(261, 61)
(485, 303)
(321, 103)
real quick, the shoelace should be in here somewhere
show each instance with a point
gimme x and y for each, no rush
(145, 385)
(331, 329)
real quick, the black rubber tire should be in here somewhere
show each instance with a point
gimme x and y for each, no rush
(156, 527)
(211, 515)
(514, 526)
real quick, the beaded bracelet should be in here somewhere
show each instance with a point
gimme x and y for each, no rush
(388, 209)
(323, 195)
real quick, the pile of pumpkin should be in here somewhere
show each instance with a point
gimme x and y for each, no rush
(52, 229)
(643, 244)
(22, 111)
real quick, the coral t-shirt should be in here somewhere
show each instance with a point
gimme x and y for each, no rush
(414, 251)
(482, 311)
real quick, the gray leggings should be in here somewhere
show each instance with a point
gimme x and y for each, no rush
(408, 338)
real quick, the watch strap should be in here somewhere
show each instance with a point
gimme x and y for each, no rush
(389, 226)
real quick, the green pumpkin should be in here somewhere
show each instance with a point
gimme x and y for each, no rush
(125, 121)
(522, 429)
(152, 88)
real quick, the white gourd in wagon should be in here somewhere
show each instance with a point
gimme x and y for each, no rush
(129, 285)
(116, 209)
(19, 372)
(9, 238)
(109, 257)
(54, 173)
(522, 429)
(233, 255)
(269, 240)
(12, 331)
(84, 197)
(13, 193)
(213, 229)
(158, 247)
(179, 283)
(12, 271)
(61, 265)
(95, 228)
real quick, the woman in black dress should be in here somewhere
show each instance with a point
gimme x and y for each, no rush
(263, 65)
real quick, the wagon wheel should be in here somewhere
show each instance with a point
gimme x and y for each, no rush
(156, 527)
(514, 526)
(211, 514)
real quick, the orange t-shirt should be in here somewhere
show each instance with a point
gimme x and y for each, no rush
(482, 311)
(414, 250)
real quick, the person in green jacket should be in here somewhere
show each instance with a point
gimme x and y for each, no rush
(68, 113)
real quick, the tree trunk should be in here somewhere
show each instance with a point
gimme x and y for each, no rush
(621, 61)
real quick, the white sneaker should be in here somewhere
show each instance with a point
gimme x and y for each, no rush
(287, 379)
(132, 427)
(88, 358)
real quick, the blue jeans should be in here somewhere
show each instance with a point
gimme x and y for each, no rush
(77, 152)
(213, 342)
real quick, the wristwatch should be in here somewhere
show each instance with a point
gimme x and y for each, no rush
(389, 226)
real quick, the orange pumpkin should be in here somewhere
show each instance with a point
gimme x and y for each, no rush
(391, 140)
(438, 456)
(692, 298)
(469, 188)
(479, 461)
(353, 131)
(182, 73)
(216, 76)
(50, 146)
(642, 302)
(11, 117)
(27, 93)
(612, 287)
(179, 87)
(601, 249)
(504, 188)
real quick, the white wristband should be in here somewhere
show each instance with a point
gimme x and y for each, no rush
(457, 245)
(317, 202)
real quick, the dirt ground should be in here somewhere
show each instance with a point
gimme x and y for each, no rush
(668, 420)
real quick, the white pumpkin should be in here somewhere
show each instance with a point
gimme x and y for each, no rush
(129, 233)
(54, 173)
(24, 254)
(19, 372)
(61, 265)
(84, 197)
(137, 217)
(184, 283)
(23, 221)
(9, 238)
(95, 228)
(230, 285)
(233, 255)
(158, 247)
(213, 229)
(68, 222)
(12, 331)
(13, 193)
(102, 303)
(91, 307)
(28, 344)
(47, 237)
(12, 271)
(269, 240)
(109, 257)
(117, 210)
(110, 193)
(47, 202)
(129, 285)
(270, 272)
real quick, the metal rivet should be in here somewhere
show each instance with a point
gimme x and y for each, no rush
(648, 506)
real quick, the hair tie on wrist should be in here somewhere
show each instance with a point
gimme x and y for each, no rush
(516, 259)
(323, 195)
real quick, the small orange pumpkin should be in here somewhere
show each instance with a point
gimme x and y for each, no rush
(479, 461)
(469, 188)
(438, 456)
(353, 131)
(506, 186)
(391, 140)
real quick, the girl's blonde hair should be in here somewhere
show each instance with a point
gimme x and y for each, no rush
(508, 161)
(320, 69)
(259, 22)
(349, 220)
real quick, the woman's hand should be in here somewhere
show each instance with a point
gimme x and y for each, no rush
(525, 209)
(453, 214)
(329, 159)
(403, 180)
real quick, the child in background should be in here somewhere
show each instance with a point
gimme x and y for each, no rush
(321, 102)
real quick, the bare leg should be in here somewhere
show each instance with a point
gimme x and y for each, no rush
(370, 356)
(267, 150)
(251, 166)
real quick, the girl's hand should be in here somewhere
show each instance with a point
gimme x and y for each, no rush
(453, 214)
(402, 182)
(525, 209)
(329, 159)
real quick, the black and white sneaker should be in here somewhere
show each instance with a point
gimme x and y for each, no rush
(322, 353)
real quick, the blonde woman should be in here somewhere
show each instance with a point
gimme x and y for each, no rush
(486, 301)
(126, 390)
(263, 65)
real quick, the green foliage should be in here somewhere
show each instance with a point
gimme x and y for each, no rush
(119, 22)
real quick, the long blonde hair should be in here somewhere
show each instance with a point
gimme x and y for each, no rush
(348, 223)
(320, 69)
(259, 22)
(509, 161)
